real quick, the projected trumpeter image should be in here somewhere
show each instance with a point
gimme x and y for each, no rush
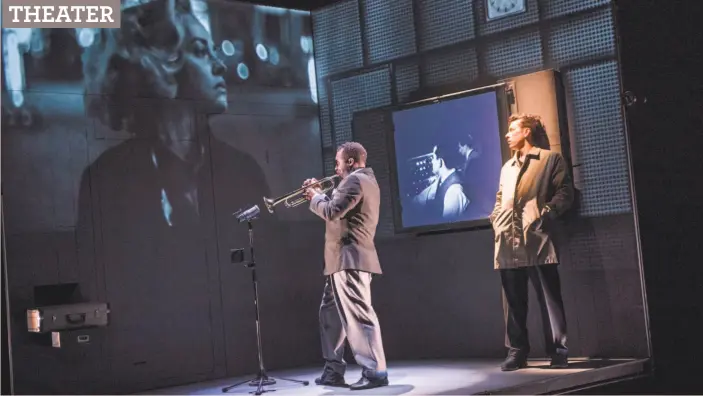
(448, 159)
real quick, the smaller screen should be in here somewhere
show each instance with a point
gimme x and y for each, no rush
(448, 161)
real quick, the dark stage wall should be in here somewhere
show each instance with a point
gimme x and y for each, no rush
(439, 295)
(108, 205)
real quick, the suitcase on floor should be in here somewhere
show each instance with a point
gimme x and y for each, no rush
(67, 317)
(79, 339)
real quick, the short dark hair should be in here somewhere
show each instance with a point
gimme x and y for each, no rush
(353, 150)
(449, 153)
(533, 122)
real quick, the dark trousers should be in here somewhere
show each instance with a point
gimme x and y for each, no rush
(346, 313)
(545, 280)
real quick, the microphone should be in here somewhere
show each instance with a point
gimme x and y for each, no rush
(247, 214)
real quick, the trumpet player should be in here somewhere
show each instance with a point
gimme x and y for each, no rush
(351, 216)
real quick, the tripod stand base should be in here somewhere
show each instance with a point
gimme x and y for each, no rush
(263, 380)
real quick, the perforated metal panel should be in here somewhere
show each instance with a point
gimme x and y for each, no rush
(518, 54)
(357, 93)
(444, 22)
(329, 164)
(323, 103)
(390, 32)
(531, 15)
(451, 67)
(325, 124)
(600, 139)
(371, 130)
(554, 8)
(337, 38)
(589, 37)
(407, 80)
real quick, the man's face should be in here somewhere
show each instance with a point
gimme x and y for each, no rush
(517, 135)
(342, 166)
(465, 150)
(436, 164)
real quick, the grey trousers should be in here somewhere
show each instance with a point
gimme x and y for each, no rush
(346, 313)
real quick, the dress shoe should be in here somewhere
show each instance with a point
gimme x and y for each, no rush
(559, 360)
(331, 379)
(515, 361)
(369, 383)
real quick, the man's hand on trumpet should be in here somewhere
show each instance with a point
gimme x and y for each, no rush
(311, 191)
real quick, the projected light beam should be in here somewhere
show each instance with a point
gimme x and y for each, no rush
(14, 70)
(312, 79)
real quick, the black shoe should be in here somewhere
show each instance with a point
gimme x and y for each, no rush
(369, 383)
(516, 360)
(331, 378)
(559, 360)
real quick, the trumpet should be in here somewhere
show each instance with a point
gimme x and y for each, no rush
(295, 198)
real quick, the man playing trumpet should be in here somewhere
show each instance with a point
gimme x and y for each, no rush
(351, 216)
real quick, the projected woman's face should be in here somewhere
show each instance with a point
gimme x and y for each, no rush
(516, 135)
(203, 72)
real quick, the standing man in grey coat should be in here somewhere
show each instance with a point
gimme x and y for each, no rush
(535, 189)
(346, 312)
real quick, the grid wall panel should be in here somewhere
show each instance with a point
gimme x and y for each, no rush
(358, 93)
(531, 15)
(325, 125)
(329, 164)
(518, 54)
(594, 94)
(337, 38)
(445, 22)
(371, 130)
(325, 122)
(389, 28)
(555, 8)
(447, 68)
(407, 80)
(585, 38)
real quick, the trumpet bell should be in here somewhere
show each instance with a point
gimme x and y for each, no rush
(297, 197)
(269, 204)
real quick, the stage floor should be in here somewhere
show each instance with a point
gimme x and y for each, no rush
(442, 377)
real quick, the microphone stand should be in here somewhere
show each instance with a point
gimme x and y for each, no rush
(262, 379)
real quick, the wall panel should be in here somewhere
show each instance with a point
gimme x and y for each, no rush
(407, 80)
(599, 147)
(458, 66)
(356, 93)
(338, 45)
(519, 54)
(556, 8)
(445, 22)
(389, 29)
(371, 129)
(581, 39)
